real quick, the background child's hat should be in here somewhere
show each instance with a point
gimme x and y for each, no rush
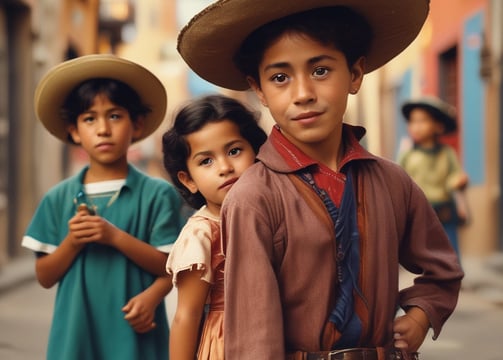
(439, 110)
(55, 86)
(210, 40)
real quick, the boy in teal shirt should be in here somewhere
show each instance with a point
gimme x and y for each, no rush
(104, 234)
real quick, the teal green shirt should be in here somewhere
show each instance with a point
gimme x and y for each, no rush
(88, 323)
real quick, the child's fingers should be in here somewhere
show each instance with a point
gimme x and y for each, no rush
(126, 308)
(140, 323)
(143, 328)
(400, 341)
(401, 344)
(131, 314)
(400, 325)
(400, 328)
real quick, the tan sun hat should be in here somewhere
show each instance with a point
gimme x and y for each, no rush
(210, 40)
(56, 85)
(438, 109)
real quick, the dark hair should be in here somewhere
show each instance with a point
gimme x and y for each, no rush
(338, 26)
(191, 118)
(81, 98)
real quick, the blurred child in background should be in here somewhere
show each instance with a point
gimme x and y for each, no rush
(433, 165)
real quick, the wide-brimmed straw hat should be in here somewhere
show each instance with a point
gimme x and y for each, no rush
(438, 109)
(210, 40)
(57, 84)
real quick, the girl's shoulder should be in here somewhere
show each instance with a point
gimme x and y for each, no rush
(201, 225)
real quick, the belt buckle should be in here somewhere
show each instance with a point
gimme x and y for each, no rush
(326, 355)
(341, 354)
(333, 355)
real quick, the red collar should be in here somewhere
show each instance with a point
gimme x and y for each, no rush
(297, 160)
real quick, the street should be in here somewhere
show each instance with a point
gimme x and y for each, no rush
(472, 333)
(25, 318)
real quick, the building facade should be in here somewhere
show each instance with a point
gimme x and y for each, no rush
(457, 57)
(34, 36)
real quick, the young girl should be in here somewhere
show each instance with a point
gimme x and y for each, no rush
(434, 166)
(103, 235)
(212, 142)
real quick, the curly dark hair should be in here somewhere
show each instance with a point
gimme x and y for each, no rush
(191, 118)
(338, 26)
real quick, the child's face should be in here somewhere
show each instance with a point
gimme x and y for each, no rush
(105, 131)
(218, 157)
(305, 85)
(423, 128)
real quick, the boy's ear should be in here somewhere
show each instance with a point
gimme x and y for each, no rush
(187, 181)
(72, 130)
(256, 88)
(357, 72)
(138, 126)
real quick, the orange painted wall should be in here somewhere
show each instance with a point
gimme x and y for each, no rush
(446, 18)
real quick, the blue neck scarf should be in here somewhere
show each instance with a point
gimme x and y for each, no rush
(347, 254)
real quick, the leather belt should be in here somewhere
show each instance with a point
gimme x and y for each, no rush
(353, 354)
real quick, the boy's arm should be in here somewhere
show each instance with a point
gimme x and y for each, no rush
(253, 321)
(50, 268)
(167, 222)
(140, 310)
(94, 228)
(142, 254)
(426, 251)
(457, 179)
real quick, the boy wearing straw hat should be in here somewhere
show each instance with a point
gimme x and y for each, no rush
(434, 166)
(104, 234)
(314, 233)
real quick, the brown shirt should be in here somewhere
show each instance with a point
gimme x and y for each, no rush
(280, 271)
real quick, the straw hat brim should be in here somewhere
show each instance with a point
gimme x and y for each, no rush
(438, 109)
(56, 85)
(210, 40)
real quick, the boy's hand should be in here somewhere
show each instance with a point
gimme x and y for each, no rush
(140, 313)
(86, 228)
(410, 330)
(461, 182)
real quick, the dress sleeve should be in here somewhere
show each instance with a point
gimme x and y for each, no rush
(192, 250)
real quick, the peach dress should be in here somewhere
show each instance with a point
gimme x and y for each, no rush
(199, 247)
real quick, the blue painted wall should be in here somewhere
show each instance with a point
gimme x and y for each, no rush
(185, 9)
(472, 101)
(403, 94)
